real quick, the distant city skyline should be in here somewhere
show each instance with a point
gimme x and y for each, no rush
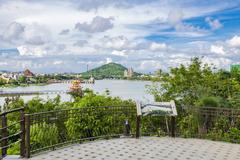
(67, 35)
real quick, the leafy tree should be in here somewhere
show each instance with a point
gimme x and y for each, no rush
(22, 79)
(188, 84)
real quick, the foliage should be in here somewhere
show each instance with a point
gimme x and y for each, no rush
(209, 102)
(43, 134)
(188, 126)
(188, 85)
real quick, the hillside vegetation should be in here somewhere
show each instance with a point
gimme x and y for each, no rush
(110, 70)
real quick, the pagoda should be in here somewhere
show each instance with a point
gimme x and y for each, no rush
(76, 88)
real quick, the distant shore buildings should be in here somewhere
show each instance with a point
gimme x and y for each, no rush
(7, 76)
(128, 73)
(28, 74)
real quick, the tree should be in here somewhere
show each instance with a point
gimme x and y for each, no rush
(188, 84)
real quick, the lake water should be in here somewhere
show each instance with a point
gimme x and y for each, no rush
(125, 89)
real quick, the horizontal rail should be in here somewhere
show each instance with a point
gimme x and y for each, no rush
(10, 144)
(11, 125)
(13, 135)
(55, 111)
(14, 110)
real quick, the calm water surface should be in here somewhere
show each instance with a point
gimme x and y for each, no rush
(123, 88)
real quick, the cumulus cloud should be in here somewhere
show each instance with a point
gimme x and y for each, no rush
(64, 32)
(217, 49)
(31, 51)
(33, 34)
(234, 42)
(119, 42)
(98, 24)
(59, 62)
(175, 16)
(80, 43)
(218, 62)
(88, 5)
(119, 53)
(109, 60)
(150, 64)
(157, 46)
(13, 31)
(175, 19)
(213, 23)
(36, 34)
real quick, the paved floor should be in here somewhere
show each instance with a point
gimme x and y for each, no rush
(146, 148)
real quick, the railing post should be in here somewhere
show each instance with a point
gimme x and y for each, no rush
(173, 126)
(4, 135)
(27, 144)
(127, 129)
(138, 126)
(22, 145)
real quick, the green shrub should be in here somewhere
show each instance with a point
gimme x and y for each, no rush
(43, 134)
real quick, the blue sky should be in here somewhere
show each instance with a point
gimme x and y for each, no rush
(68, 35)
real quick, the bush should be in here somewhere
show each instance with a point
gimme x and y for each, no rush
(43, 134)
(209, 102)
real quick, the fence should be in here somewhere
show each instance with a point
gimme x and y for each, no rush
(49, 130)
(13, 133)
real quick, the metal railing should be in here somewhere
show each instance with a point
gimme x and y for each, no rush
(52, 129)
(48, 130)
(8, 137)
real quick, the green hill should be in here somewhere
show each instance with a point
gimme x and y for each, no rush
(110, 70)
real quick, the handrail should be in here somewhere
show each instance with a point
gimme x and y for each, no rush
(14, 110)
(60, 110)
(13, 135)
(4, 132)
(13, 124)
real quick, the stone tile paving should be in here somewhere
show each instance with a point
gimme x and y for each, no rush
(146, 148)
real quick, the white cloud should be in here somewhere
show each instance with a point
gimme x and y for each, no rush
(117, 43)
(64, 32)
(175, 16)
(109, 60)
(213, 23)
(153, 64)
(98, 24)
(157, 46)
(13, 31)
(119, 53)
(36, 34)
(31, 51)
(217, 49)
(234, 42)
(218, 62)
(80, 43)
(3, 63)
(59, 62)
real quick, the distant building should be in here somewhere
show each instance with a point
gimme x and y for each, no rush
(128, 73)
(76, 89)
(27, 73)
(91, 80)
(9, 76)
(5, 77)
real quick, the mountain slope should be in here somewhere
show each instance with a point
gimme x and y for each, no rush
(110, 70)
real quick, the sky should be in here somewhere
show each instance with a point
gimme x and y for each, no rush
(66, 36)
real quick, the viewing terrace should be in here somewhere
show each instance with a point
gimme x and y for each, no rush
(107, 133)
